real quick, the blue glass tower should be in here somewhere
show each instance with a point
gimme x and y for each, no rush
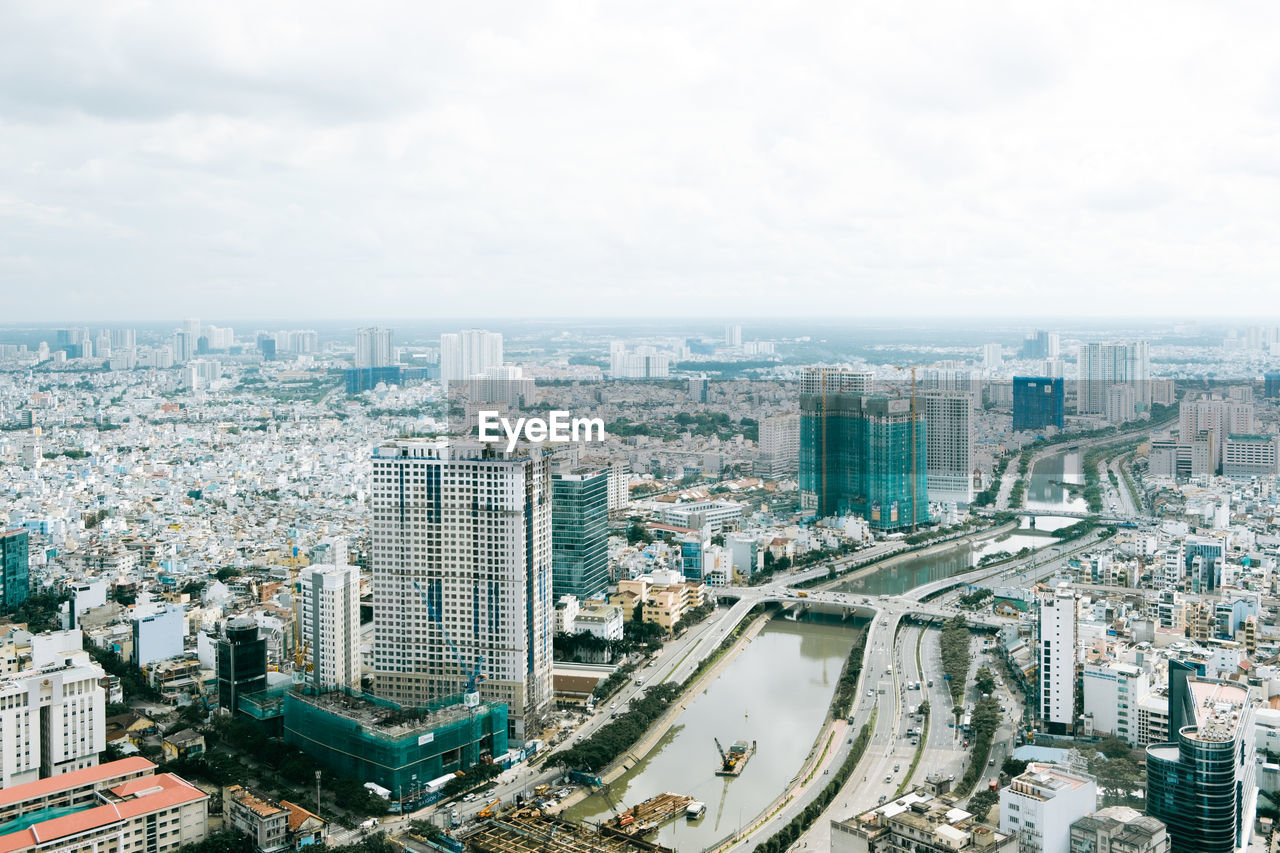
(1037, 402)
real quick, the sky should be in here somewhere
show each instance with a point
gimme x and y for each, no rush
(576, 159)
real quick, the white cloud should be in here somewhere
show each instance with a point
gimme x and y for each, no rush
(591, 159)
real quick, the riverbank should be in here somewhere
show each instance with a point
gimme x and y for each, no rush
(663, 724)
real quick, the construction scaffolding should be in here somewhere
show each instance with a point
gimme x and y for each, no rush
(528, 830)
(370, 739)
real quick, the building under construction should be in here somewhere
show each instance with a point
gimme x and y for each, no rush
(373, 740)
(528, 830)
(862, 454)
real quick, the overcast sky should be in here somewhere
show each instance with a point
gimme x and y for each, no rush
(321, 161)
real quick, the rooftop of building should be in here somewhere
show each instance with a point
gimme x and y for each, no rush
(132, 799)
(378, 716)
(1045, 781)
(1220, 708)
(260, 806)
(75, 779)
(922, 812)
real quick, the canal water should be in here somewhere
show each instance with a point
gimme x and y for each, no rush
(778, 690)
(776, 693)
(1045, 489)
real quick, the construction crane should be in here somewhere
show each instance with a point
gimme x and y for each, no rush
(726, 762)
(470, 694)
(487, 811)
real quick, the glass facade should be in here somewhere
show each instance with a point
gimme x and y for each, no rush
(1192, 787)
(580, 533)
(865, 456)
(1037, 402)
(14, 569)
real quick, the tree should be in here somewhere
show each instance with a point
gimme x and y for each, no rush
(637, 533)
(1013, 767)
(980, 803)
(984, 680)
(1114, 747)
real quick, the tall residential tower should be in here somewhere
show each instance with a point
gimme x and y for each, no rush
(462, 575)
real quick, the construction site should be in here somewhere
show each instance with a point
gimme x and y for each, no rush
(528, 830)
(363, 737)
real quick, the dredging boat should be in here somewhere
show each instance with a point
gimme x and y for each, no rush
(695, 810)
(732, 762)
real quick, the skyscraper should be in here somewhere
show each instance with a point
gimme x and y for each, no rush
(1202, 783)
(948, 419)
(733, 335)
(1103, 365)
(1037, 402)
(462, 581)
(580, 532)
(469, 353)
(861, 454)
(1058, 659)
(328, 616)
(15, 582)
(374, 347)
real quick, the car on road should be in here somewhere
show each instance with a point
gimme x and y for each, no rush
(469, 798)
(613, 705)
(888, 780)
(895, 768)
(991, 762)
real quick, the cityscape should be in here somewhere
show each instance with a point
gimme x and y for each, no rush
(585, 427)
(1016, 596)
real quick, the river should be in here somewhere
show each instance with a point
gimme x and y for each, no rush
(1045, 490)
(776, 692)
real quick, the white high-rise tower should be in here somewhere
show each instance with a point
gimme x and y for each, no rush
(462, 575)
(374, 347)
(469, 353)
(328, 616)
(1058, 658)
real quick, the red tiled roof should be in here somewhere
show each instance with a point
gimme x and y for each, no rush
(74, 779)
(152, 794)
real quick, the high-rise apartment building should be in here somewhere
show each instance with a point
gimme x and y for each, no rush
(374, 347)
(1212, 421)
(328, 614)
(52, 715)
(733, 335)
(643, 362)
(862, 455)
(469, 353)
(462, 582)
(15, 582)
(779, 441)
(580, 532)
(1058, 659)
(1203, 783)
(948, 419)
(1037, 402)
(1102, 365)
(1040, 344)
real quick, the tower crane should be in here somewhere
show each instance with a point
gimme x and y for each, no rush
(470, 693)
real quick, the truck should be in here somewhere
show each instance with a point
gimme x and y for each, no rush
(370, 823)
(487, 811)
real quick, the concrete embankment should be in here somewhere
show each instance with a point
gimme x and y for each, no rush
(664, 723)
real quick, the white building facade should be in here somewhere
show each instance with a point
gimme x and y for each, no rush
(461, 564)
(328, 616)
